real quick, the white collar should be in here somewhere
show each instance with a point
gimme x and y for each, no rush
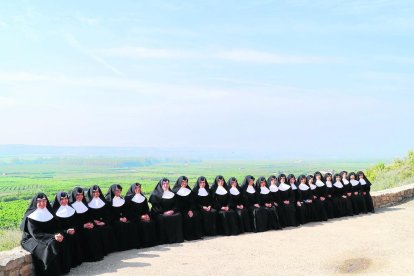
(96, 203)
(354, 182)
(338, 185)
(221, 190)
(345, 181)
(202, 192)
(234, 191)
(264, 190)
(329, 184)
(284, 187)
(250, 189)
(312, 186)
(168, 194)
(319, 183)
(138, 198)
(118, 201)
(183, 191)
(362, 181)
(79, 207)
(303, 187)
(273, 188)
(65, 211)
(41, 215)
(293, 186)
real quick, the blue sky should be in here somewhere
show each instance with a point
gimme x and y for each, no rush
(329, 78)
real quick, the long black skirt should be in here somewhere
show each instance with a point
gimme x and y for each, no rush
(170, 228)
(259, 218)
(319, 211)
(107, 238)
(245, 224)
(369, 203)
(126, 235)
(193, 228)
(287, 214)
(227, 223)
(52, 258)
(358, 204)
(340, 206)
(147, 233)
(74, 246)
(273, 218)
(209, 222)
(92, 249)
(328, 206)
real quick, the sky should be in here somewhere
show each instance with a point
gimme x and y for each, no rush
(314, 78)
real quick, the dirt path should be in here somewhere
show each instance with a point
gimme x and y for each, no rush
(381, 243)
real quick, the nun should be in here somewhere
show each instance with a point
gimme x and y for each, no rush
(287, 203)
(305, 199)
(192, 225)
(204, 202)
(322, 203)
(291, 180)
(101, 215)
(266, 201)
(327, 203)
(89, 235)
(228, 223)
(166, 213)
(358, 202)
(348, 190)
(339, 198)
(126, 232)
(44, 239)
(366, 188)
(238, 204)
(258, 215)
(66, 217)
(138, 212)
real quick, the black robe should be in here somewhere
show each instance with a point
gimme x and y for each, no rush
(366, 188)
(287, 211)
(326, 193)
(320, 213)
(341, 202)
(228, 223)
(273, 218)
(245, 224)
(192, 226)
(209, 218)
(170, 227)
(358, 201)
(126, 233)
(147, 231)
(258, 215)
(349, 206)
(50, 257)
(108, 240)
(307, 208)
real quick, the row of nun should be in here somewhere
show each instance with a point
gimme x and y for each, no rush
(84, 226)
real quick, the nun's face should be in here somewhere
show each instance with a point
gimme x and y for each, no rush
(118, 192)
(273, 181)
(184, 184)
(220, 182)
(318, 177)
(329, 178)
(41, 203)
(165, 185)
(352, 177)
(79, 197)
(361, 176)
(303, 181)
(202, 184)
(233, 183)
(262, 183)
(282, 179)
(292, 180)
(251, 182)
(338, 179)
(311, 180)
(63, 201)
(138, 189)
(96, 193)
(345, 175)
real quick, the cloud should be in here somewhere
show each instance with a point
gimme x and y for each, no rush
(236, 55)
(73, 42)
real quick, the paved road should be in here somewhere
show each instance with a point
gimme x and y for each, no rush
(381, 243)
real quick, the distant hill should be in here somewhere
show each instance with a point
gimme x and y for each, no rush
(400, 171)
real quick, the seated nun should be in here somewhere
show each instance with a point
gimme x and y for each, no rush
(204, 202)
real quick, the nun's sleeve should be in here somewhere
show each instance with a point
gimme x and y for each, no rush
(35, 233)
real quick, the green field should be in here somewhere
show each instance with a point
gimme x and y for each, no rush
(21, 178)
